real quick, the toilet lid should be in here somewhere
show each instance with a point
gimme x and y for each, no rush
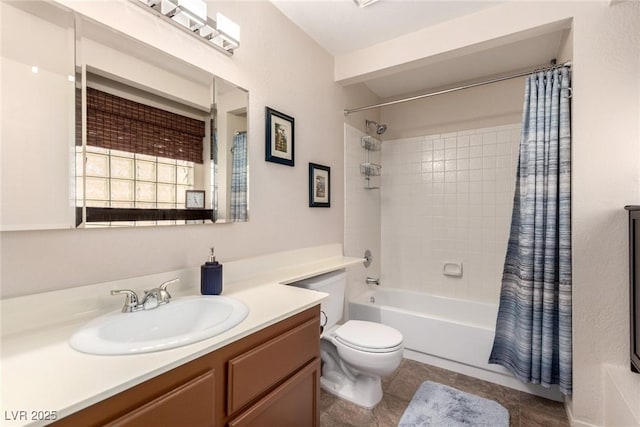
(368, 336)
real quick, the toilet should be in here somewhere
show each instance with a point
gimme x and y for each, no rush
(355, 354)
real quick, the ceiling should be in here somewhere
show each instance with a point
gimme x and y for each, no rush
(341, 27)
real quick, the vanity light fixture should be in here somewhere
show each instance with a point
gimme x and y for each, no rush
(191, 16)
(365, 3)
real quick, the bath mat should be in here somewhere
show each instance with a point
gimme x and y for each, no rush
(436, 405)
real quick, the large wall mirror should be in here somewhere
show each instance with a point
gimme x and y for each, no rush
(112, 132)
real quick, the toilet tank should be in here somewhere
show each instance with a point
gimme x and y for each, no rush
(334, 284)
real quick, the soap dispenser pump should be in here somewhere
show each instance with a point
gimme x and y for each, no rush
(211, 276)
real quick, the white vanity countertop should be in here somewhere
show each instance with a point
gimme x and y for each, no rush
(40, 372)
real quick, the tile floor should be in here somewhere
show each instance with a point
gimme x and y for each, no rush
(525, 410)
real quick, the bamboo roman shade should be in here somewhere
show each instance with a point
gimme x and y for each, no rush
(120, 124)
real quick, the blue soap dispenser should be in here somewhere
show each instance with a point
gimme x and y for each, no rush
(211, 276)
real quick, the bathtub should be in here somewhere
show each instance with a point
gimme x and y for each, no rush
(445, 332)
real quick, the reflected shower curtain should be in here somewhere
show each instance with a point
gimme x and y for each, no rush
(238, 206)
(533, 329)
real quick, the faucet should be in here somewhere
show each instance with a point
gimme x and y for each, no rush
(372, 281)
(153, 298)
(131, 302)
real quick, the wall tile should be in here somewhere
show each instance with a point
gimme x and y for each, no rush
(448, 198)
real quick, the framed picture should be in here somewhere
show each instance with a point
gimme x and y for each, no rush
(194, 199)
(280, 138)
(319, 186)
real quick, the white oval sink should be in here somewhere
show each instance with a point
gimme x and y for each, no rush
(180, 322)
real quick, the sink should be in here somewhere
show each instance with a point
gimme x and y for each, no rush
(182, 321)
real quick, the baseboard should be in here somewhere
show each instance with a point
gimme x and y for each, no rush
(506, 380)
(573, 421)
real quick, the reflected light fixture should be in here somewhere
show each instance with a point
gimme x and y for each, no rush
(365, 3)
(191, 16)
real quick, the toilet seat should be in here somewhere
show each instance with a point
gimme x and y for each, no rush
(368, 337)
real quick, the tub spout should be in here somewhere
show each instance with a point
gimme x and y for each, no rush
(372, 281)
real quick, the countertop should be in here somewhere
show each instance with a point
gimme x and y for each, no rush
(42, 374)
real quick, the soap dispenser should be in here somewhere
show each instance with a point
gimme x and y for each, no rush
(211, 276)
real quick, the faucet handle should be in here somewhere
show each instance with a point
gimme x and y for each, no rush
(165, 296)
(163, 286)
(131, 301)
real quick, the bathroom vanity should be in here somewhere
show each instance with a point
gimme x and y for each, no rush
(270, 377)
(264, 371)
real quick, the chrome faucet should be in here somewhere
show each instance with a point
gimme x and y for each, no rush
(153, 298)
(372, 281)
(157, 296)
(131, 302)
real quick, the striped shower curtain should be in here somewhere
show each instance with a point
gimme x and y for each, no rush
(533, 329)
(238, 205)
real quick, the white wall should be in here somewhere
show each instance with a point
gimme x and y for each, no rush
(480, 107)
(606, 167)
(606, 139)
(282, 68)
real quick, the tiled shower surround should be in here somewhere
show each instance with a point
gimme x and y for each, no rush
(448, 198)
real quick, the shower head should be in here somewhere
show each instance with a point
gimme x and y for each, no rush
(380, 129)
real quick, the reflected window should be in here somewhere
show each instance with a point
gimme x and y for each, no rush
(120, 179)
(139, 161)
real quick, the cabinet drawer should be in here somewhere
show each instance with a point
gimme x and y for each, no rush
(191, 404)
(258, 370)
(293, 404)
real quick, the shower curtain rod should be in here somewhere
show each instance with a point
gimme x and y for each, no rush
(455, 89)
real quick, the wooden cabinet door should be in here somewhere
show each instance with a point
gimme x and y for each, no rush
(253, 373)
(191, 404)
(295, 403)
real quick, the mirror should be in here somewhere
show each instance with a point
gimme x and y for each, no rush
(148, 138)
(38, 122)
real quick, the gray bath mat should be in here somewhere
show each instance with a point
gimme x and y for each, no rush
(436, 405)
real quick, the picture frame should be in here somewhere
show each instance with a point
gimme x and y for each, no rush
(194, 199)
(280, 138)
(319, 186)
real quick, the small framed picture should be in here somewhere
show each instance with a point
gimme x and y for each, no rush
(319, 186)
(194, 199)
(280, 138)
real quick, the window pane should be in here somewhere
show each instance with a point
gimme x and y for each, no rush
(79, 190)
(166, 194)
(122, 204)
(97, 203)
(166, 160)
(121, 168)
(166, 173)
(145, 171)
(79, 162)
(97, 165)
(122, 190)
(146, 191)
(122, 154)
(180, 194)
(97, 188)
(146, 157)
(145, 205)
(185, 175)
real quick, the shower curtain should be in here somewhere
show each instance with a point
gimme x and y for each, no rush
(238, 205)
(533, 329)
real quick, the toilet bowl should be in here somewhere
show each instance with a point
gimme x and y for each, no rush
(355, 354)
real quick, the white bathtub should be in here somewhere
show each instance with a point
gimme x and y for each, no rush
(449, 333)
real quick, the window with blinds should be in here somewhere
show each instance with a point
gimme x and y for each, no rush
(137, 157)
